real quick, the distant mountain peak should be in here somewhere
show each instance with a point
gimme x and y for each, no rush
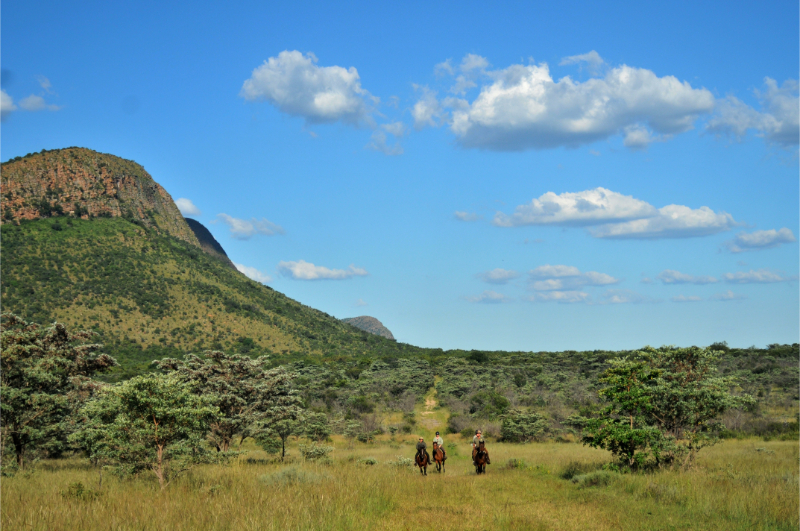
(207, 241)
(369, 324)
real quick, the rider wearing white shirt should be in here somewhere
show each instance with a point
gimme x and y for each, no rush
(438, 440)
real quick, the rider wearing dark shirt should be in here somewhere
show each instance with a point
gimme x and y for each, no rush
(422, 447)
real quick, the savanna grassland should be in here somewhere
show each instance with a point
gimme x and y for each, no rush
(738, 484)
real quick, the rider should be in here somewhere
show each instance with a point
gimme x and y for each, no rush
(438, 440)
(422, 447)
(475, 442)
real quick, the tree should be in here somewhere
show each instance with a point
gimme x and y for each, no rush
(662, 402)
(689, 397)
(623, 426)
(45, 377)
(522, 426)
(317, 427)
(282, 429)
(249, 395)
(151, 422)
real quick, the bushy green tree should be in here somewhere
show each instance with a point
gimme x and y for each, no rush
(153, 422)
(689, 396)
(661, 404)
(317, 427)
(45, 377)
(250, 396)
(624, 425)
(522, 426)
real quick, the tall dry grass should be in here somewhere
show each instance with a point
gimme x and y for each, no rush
(745, 484)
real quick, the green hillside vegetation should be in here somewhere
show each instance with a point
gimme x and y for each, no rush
(150, 296)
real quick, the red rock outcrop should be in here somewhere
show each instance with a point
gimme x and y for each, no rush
(81, 182)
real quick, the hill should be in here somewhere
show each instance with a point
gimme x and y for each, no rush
(93, 241)
(150, 295)
(208, 242)
(369, 324)
(86, 184)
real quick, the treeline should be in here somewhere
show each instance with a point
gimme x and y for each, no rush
(649, 408)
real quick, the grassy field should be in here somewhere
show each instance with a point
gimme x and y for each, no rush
(745, 484)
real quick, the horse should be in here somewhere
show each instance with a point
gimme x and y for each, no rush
(481, 458)
(438, 457)
(422, 462)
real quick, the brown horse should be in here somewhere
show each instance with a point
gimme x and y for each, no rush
(481, 458)
(422, 462)
(438, 457)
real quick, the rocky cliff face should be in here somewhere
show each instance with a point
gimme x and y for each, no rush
(208, 242)
(369, 324)
(84, 183)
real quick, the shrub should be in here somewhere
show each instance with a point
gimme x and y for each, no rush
(369, 461)
(78, 491)
(516, 463)
(521, 426)
(598, 478)
(575, 468)
(313, 451)
(401, 462)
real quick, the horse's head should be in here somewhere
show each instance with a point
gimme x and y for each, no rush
(482, 445)
(435, 446)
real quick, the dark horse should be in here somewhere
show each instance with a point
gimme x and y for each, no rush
(422, 462)
(481, 458)
(438, 457)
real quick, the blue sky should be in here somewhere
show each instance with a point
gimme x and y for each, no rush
(523, 177)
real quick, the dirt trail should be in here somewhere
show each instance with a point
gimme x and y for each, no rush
(430, 404)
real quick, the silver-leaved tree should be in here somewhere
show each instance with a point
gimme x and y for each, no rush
(45, 376)
(152, 422)
(252, 398)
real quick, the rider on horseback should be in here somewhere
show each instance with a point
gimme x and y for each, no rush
(476, 441)
(422, 447)
(438, 440)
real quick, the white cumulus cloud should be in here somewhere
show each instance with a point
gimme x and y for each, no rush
(670, 276)
(778, 121)
(522, 107)
(186, 207)
(672, 221)
(624, 296)
(565, 297)
(6, 105)
(294, 84)
(466, 216)
(379, 142)
(726, 296)
(566, 278)
(616, 216)
(489, 297)
(253, 273)
(302, 270)
(427, 111)
(684, 298)
(760, 239)
(760, 276)
(242, 229)
(498, 276)
(590, 207)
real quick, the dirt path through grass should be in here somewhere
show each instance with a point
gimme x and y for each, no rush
(431, 416)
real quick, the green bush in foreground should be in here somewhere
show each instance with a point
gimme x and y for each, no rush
(150, 422)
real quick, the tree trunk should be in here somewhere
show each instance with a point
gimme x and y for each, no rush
(159, 468)
(283, 448)
(19, 449)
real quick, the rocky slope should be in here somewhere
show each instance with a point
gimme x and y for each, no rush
(86, 184)
(208, 243)
(369, 324)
